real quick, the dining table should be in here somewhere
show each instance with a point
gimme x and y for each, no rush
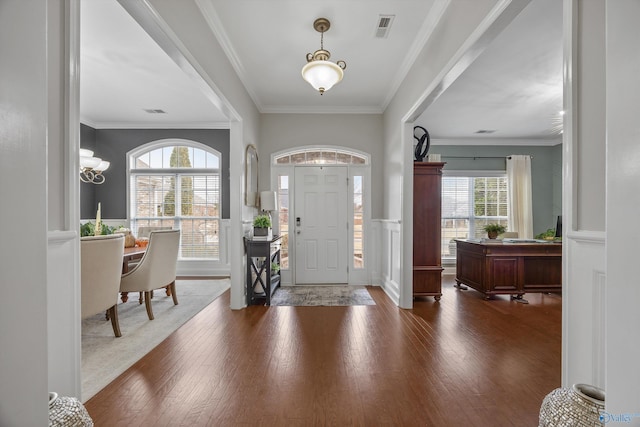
(134, 253)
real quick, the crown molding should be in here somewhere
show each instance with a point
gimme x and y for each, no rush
(428, 27)
(147, 125)
(213, 21)
(497, 141)
(329, 109)
(85, 121)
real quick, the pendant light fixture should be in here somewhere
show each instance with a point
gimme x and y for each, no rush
(91, 168)
(319, 72)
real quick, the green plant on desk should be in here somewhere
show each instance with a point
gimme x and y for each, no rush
(262, 221)
(494, 229)
(261, 225)
(550, 234)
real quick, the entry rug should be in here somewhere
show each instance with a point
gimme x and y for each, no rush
(104, 356)
(328, 295)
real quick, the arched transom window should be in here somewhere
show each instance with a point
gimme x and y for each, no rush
(323, 156)
(176, 184)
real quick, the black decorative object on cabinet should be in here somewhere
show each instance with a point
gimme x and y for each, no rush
(424, 142)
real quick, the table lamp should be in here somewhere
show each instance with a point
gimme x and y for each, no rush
(268, 202)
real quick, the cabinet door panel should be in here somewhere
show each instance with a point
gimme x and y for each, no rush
(503, 274)
(542, 272)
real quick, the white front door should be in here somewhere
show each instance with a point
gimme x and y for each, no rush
(320, 224)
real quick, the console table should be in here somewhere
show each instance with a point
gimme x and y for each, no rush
(509, 268)
(262, 282)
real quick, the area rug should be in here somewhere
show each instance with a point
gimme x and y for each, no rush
(105, 357)
(329, 295)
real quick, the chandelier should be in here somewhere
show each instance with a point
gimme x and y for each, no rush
(91, 168)
(319, 72)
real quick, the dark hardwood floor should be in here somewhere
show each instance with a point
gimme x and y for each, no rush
(461, 362)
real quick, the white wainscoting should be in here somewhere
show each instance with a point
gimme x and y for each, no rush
(583, 310)
(63, 313)
(388, 234)
(221, 267)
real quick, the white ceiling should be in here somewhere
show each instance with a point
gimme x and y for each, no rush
(514, 87)
(123, 72)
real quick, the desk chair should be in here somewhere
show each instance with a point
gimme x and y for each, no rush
(509, 235)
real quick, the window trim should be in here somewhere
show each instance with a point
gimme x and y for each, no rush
(315, 148)
(470, 174)
(170, 142)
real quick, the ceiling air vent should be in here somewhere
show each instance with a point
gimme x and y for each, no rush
(384, 25)
(486, 131)
(155, 111)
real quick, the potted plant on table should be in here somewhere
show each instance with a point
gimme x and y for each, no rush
(261, 225)
(493, 230)
(275, 268)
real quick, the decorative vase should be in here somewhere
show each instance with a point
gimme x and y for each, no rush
(67, 412)
(580, 405)
(492, 234)
(129, 240)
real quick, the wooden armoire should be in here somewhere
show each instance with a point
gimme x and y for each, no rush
(427, 206)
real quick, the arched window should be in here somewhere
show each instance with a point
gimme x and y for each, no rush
(176, 184)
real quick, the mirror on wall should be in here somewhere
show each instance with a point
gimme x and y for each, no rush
(251, 176)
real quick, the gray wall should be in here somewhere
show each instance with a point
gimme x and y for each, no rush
(358, 131)
(113, 145)
(546, 173)
(88, 191)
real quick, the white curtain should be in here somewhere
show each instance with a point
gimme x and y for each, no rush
(520, 205)
(433, 157)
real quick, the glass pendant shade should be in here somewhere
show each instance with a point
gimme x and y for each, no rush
(89, 162)
(91, 167)
(322, 75)
(103, 166)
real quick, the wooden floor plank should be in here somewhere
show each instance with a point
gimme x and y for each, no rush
(463, 361)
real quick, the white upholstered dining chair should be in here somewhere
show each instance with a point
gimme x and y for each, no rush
(156, 269)
(145, 230)
(101, 269)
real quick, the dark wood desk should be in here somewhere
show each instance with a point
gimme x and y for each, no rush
(509, 268)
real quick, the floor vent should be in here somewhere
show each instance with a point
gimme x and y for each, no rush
(155, 111)
(384, 25)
